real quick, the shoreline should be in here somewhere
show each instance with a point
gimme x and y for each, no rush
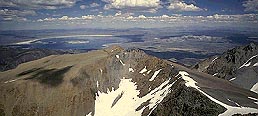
(66, 36)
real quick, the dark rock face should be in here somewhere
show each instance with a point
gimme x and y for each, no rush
(250, 114)
(228, 62)
(184, 101)
(236, 65)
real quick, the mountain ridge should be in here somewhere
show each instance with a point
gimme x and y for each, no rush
(238, 65)
(119, 81)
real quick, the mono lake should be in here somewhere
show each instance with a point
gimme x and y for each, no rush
(76, 42)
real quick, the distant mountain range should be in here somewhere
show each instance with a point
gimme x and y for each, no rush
(238, 65)
(11, 57)
(119, 82)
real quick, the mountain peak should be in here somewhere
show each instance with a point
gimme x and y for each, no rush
(113, 49)
(238, 65)
(251, 46)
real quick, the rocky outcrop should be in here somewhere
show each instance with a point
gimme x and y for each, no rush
(185, 101)
(224, 66)
(238, 65)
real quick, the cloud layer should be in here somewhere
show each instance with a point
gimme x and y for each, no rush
(251, 5)
(127, 13)
(17, 15)
(118, 17)
(131, 6)
(125, 21)
(37, 4)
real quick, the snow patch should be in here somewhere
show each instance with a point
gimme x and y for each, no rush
(256, 64)
(149, 72)
(234, 102)
(117, 56)
(149, 88)
(232, 79)
(129, 102)
(230, 109)
(206, 67)
(90, 114)
(214, 59)
(101, 71)
(155, 75)
(252, 98)
(256, 100)
(246, 65)
(122, 62)
(255, 88)
(143, 70)
(131, 69)
(11, 81)
(97, 84)
(215, 74)
(248, 62)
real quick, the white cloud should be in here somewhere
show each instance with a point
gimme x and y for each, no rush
(37, 4)
(17, 12)
(251, 5)
(87, 17)
(47, 19)
(118, 14)
(181, 6)
(94, 5)
(14, 18)
(123, 15)
(67, 18)
(141, 5)
(164, 16)
(17, 15)
(142, 17)
(83, 7)
(64, 18)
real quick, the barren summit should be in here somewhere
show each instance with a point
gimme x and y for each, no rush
(117, 82)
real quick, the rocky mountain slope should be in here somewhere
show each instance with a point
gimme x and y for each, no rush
(238, 65)
(117, 82)
(11, 57)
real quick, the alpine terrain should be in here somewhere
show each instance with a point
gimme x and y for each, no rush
(238, 65)
(119, 82)
(11, 57)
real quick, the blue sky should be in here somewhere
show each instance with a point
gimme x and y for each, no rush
(44, 14)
